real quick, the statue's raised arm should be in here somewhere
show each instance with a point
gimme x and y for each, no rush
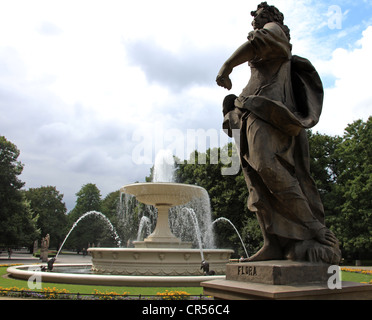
(243, 54)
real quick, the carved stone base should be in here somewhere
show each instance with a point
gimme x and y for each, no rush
(278, 272)
(282, 279)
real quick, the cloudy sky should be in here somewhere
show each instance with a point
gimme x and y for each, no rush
(90, 90)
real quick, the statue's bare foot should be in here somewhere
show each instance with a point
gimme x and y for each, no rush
(267, 252)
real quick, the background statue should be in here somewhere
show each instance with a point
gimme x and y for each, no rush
(45, 242)
(44, 245)
(283, 97)
(205, 267)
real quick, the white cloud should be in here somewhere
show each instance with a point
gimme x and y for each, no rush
(350, 99)
(79, 78)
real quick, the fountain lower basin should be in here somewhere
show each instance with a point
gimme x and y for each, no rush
(74, 276)
(157, 261)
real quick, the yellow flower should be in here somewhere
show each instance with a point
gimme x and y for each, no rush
(173, 295)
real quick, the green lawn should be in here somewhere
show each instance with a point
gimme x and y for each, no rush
(87, 289)
(6, 282)
(355, 277)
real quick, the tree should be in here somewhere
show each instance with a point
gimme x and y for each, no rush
(109, 205)
(47, 203)
(92, 229)
(323, 161)
(354, 185)
(88, 199)
(18, 225)
(325, 169)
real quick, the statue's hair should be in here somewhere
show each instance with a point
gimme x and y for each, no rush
(275, 16)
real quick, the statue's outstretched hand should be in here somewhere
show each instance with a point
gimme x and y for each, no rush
(224, 81)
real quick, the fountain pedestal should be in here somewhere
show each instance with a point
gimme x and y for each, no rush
(162, 237)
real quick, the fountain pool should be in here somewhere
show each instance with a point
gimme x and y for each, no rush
(82, 274)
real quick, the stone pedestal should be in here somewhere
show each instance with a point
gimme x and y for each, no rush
(162, 236)
(44, 255)
(282, 280)
(278, 272)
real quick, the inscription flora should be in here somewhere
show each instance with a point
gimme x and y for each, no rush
(247, 270)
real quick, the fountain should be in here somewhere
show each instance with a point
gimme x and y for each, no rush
(161, 253)
(161, 259)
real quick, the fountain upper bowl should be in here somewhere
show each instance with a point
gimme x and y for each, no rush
(163, 193)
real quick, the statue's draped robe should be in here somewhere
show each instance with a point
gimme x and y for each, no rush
(283, 97)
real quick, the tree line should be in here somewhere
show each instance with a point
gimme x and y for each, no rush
(340, 165)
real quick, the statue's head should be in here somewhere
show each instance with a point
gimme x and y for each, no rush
(265, 14)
